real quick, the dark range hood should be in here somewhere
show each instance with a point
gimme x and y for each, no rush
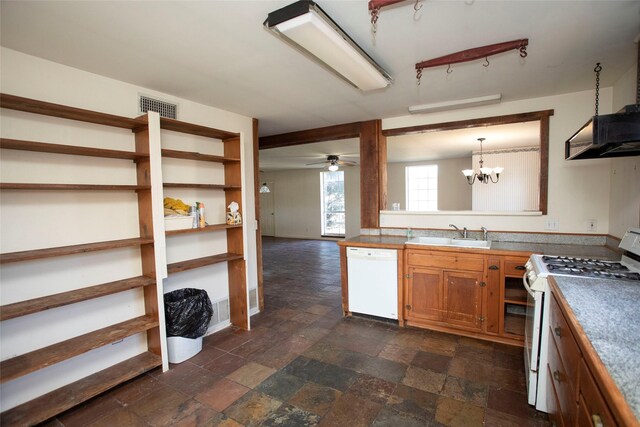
(609, 135)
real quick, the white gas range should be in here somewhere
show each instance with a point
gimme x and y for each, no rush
(538, 268)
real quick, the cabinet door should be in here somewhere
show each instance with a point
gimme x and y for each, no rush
(592, 408)
(424, 294)
(463, 299)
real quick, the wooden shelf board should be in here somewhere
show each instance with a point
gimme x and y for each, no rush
(211, 227)
(36, 305)
(70, 250)
(62, 111)
(57, 401)
(16, 144)
(24, 364)
(192, 129)
(515, 296)
(71, 187)
(190, 155)
(204, 186)
(201, 262)
(514, 301)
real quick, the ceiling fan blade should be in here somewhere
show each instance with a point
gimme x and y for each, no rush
(317, 163)
(346, 163)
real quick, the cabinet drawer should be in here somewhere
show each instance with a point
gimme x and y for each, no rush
(565, 342)
(553, 405)
(591, 401)
(565, 390)
(446, 260)
(514, 266)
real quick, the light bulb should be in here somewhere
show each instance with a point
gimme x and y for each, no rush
(486, 171)
(333, 167)
(467, 172)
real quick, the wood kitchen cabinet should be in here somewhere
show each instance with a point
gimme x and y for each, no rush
(467, 293)
(444, 289)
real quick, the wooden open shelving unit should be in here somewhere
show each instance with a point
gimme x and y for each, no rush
(232, 186)
(514, 299)
(147, 157)
(50, 404)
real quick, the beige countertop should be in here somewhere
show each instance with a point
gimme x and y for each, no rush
(504, 248)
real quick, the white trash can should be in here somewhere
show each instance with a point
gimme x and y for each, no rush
(181, 349)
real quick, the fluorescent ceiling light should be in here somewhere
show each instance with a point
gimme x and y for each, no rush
(455, 104)
(305, 26)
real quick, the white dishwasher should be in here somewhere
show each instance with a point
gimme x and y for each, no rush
(372, 276)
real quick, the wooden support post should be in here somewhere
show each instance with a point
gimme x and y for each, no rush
(373, 173)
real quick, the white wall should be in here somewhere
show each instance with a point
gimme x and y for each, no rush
(40, 219)
(578, 190)
(625, 172)
(453, 191)
(297, 208)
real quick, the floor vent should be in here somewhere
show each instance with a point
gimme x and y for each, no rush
(165, 109)
(220, 313)
(253, 302)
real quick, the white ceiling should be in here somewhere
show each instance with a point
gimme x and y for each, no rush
(218, 53)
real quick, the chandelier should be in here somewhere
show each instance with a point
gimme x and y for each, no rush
(486, 174)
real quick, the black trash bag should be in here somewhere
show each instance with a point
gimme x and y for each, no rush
(188, 312)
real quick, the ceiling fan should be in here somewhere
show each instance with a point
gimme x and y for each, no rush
(334, 161)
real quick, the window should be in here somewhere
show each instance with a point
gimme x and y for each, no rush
(422, 188)
(332, 194)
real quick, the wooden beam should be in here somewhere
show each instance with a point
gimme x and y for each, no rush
(544, 163)
(256, 192)
(471, 123)
(329, 133)
(373, 168)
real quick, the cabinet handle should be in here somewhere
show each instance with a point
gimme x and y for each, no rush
(558, 331)
(494, 267)
(408, 276)
(483, 284)
(596, 421)
(558, 376)
(520, 267)
(408, 307)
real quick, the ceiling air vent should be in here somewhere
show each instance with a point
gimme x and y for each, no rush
(165, 109)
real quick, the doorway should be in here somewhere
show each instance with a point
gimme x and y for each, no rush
(267, 211)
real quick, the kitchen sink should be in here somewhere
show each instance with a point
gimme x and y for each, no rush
(441, 241)
(466, 243)
(445, 241)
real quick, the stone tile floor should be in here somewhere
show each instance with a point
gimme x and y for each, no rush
(303, 364)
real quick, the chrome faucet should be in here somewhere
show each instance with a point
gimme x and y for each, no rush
(462, 232)
(484, 233)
